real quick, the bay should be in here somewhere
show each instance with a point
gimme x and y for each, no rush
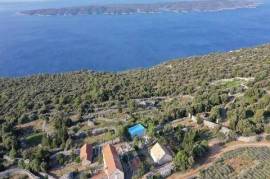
(51, 44)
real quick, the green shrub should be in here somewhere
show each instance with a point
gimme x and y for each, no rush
(267, 129)
(61, 159)
(182, 161)
(199, 120)
(78, 160)
(2, 167)
(267, 137)
(34, 139)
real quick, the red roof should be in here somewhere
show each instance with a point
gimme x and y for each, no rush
(86, 152)
(111, 159)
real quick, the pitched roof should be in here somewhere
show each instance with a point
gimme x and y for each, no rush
(158, 151)
(111, 159)
(86, 152)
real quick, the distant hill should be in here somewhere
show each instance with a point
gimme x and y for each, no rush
(115, 9)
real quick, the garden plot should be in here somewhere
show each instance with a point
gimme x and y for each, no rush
(232, 82)
(244, 163)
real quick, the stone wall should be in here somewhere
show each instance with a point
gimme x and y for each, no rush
(247, 139)
(17, 171)
(209, 124)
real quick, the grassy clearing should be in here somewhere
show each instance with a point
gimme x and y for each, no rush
(100, 138)
(71, 167)
(232, 84)
(229, 83)
(34, 139)
(18, 176)
(36, 124)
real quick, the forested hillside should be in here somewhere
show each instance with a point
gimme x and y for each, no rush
(40, 95)
(52, 110)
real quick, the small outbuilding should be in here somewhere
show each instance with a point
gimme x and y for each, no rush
(160, 154)
(136, 131)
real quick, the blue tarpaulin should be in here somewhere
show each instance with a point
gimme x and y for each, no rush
(137, 130)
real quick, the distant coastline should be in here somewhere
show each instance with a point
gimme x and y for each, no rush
(126, 9)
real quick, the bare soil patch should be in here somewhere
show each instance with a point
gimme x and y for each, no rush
(239, 163)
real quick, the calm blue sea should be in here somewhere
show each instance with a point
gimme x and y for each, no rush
(48, 44)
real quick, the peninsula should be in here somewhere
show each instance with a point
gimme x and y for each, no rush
(123, 9)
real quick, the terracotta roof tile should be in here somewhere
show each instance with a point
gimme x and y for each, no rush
(86, 152)
(111, 159)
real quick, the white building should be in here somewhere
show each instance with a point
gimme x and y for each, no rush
(160, 155)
